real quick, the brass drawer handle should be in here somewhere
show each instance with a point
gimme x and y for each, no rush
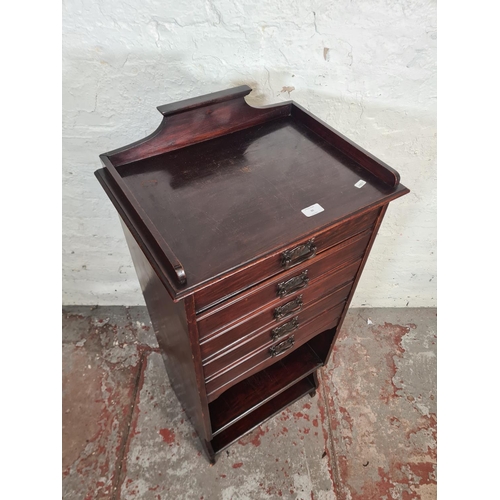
(285, 328)
(293, 284)
(291, 307)
(280, 348)
(300, 253)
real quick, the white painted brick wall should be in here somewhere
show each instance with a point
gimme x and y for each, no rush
(366, 67)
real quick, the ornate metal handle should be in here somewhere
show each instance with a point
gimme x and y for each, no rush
(285, 310)
(285, 328)
(300, 253)
(293, 284)
(278, 349)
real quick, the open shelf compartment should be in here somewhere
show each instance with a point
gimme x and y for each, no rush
(257, 398)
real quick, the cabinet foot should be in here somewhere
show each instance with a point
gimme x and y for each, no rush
(316, 383)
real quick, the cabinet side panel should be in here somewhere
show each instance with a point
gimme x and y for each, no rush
(356, 279)
(176, 334)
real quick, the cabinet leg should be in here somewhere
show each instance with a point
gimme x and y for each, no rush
(209, 452)
(316, 383)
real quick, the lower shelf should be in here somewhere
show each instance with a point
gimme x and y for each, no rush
(261, 396)
(263, 413)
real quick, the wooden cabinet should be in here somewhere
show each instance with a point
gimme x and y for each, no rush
(249, 229)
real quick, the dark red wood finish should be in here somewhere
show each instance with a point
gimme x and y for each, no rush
(373, 165)
(245, 329)
(260, 388)
(183, 194)
(174, 325)
(262, 339)
(262, 358)
(211, 206)
(263, 413)
(266, 293)
(271, 265)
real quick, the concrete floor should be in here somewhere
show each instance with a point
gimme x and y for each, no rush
(369, 433)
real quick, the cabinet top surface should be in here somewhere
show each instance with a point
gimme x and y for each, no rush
(226, 201)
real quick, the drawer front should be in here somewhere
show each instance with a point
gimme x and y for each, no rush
(284, 259)
(264, 357)
(268, 293)
(275, 332)
(242, 331)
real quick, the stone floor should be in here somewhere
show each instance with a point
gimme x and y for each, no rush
(369, 433)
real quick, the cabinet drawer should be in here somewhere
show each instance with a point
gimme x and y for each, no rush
(264, 357)
(274, 332)
(268, 293)
(243, 330)
(276, 263)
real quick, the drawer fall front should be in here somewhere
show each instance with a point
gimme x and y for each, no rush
(262, 351)
(275, 263)
(268, 292)
(250, 331)
(277, 312)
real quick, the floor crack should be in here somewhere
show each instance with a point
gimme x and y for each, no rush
(117, 476)
(333, 456)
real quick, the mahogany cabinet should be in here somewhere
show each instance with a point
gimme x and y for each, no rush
(249, 229)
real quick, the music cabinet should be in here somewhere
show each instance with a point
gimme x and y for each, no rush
(249, 229)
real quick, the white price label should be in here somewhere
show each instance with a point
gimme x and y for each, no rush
(312, 210)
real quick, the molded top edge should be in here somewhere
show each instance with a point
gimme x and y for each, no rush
(204, 100)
